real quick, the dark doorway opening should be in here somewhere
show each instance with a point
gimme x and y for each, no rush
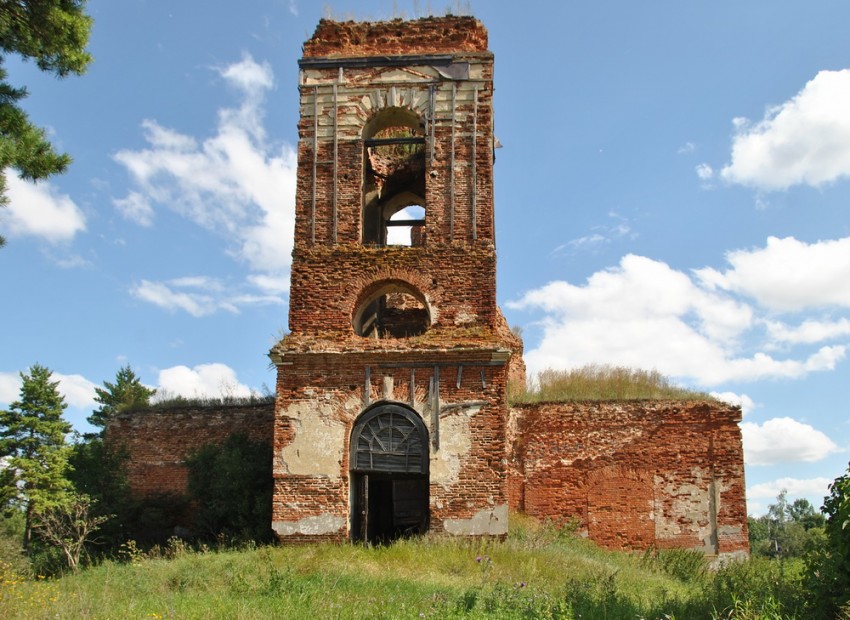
(389, 474)
(390, 508)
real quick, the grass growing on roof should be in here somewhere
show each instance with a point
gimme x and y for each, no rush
(603, 382)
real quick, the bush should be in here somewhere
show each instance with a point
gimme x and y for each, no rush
(759, 585)
(231, 485)
(11, 534)
(828, 568)
(686, 565)
(153, 520)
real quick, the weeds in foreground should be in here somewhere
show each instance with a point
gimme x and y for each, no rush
(541, 571)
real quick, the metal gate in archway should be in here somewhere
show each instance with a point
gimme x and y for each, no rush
(389, 474)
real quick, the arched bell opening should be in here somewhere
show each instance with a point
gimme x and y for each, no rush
(393, 177)
(389, 474)
(391, 309)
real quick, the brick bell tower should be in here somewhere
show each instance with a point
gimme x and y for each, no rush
(391, 385)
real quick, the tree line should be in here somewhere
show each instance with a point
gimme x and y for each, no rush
(70, 495)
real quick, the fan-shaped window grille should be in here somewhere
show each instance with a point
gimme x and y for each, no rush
(390, 439)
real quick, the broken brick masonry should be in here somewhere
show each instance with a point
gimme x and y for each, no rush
(391, 412)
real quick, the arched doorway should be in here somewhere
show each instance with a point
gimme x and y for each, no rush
(389, 474)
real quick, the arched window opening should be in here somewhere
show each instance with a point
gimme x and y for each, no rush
(394, 170)
(393, 310)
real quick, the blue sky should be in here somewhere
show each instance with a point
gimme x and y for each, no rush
(673, 193)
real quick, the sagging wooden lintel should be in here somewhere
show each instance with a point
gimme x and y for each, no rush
(388, 141)
(465, 405)
(405, 223)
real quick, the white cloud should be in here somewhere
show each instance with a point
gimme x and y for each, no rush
(136, 208)
(826, 358)
(200, 295)
(784, 440)
(72, 261)
(164, 296)
(787, 274)
(234, 183)
(796, 487)
(293, 8)
(705, 172)
(251, 77)
(809, 331)
(580, 243)
(603, 234)
(38, 210)
(644, 314)
(746, 403)
(10, 387)
(804, 141)
(270, 284)
(813, 489)
(77, 390)
(205, 380)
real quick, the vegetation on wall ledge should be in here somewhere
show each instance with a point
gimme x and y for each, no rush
(603, 382)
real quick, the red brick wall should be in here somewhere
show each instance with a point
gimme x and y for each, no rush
(633, 474)
(429, 35)
(159, 440)
(456, 282)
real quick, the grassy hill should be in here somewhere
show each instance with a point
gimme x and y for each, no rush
(538, 572)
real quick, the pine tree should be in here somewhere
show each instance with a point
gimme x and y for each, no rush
(125, 394)
(32, 442)
(53, 33)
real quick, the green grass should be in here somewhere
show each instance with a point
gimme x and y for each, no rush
(538, 572)
(601, 382)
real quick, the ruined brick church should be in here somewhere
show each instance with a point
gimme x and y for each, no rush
(391, 414)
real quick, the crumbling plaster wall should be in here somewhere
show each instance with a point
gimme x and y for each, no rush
(467, 471)
(634, 474)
